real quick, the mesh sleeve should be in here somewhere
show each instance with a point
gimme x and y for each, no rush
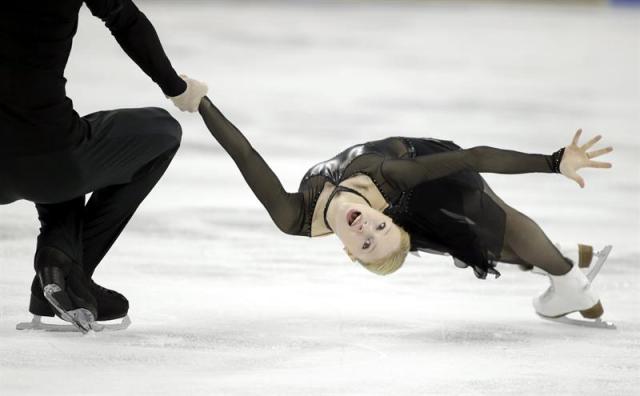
(286, 209)
(407, 173)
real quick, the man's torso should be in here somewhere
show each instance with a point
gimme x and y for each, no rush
(35, 41)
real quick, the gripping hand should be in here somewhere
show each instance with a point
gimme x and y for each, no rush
(189, 100)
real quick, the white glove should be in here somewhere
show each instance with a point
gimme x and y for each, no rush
(189, 100)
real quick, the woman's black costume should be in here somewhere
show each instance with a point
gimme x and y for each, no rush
(433, 188)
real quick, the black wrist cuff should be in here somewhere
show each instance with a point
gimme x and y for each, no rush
(556, 158)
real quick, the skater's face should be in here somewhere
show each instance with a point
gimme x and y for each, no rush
(366, 232)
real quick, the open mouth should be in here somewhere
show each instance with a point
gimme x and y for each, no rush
(353, 217)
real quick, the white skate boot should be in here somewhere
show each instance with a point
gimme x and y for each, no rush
(571, 292)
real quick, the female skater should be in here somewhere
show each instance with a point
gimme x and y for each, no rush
(388, 197)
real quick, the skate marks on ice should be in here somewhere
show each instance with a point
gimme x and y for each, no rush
(241, 348)
(474, 333)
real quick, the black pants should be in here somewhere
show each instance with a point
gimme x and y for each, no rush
(123, 155)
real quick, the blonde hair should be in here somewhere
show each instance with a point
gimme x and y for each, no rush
(392, 262)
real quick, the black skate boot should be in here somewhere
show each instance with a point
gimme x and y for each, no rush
(110, 304)
(38, 305)
(65, 288)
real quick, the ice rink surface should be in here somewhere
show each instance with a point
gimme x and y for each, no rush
(223, 304)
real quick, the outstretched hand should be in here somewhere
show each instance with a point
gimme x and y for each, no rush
(576, 157)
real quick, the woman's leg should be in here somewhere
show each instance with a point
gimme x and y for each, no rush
(526, 244)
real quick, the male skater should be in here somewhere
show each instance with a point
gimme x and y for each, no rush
(52, 157)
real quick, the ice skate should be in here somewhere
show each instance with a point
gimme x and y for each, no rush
(37, 324)
(568, 293)
(111, 305)
(597, 323)
(601, 257)
(65, 289)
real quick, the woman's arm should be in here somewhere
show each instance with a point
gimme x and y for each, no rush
(407, 173)
(286, 209)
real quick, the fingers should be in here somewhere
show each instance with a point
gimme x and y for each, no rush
(600, 152)
(590, 143)
(598, 164)
(578, 179)
(576, 137)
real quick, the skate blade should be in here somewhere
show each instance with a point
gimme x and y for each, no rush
(602, 256)
(37, 324)
(596, 323)
(81, 318)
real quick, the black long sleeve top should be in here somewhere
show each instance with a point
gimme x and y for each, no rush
(36, 116)
(390, 163)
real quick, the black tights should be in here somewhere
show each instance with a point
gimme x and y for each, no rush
(526, 244)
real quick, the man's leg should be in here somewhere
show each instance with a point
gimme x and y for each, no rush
(58, 265)
(154, 138)
(106, 215)
(122, 159)
(61, 227)
(110, 209)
